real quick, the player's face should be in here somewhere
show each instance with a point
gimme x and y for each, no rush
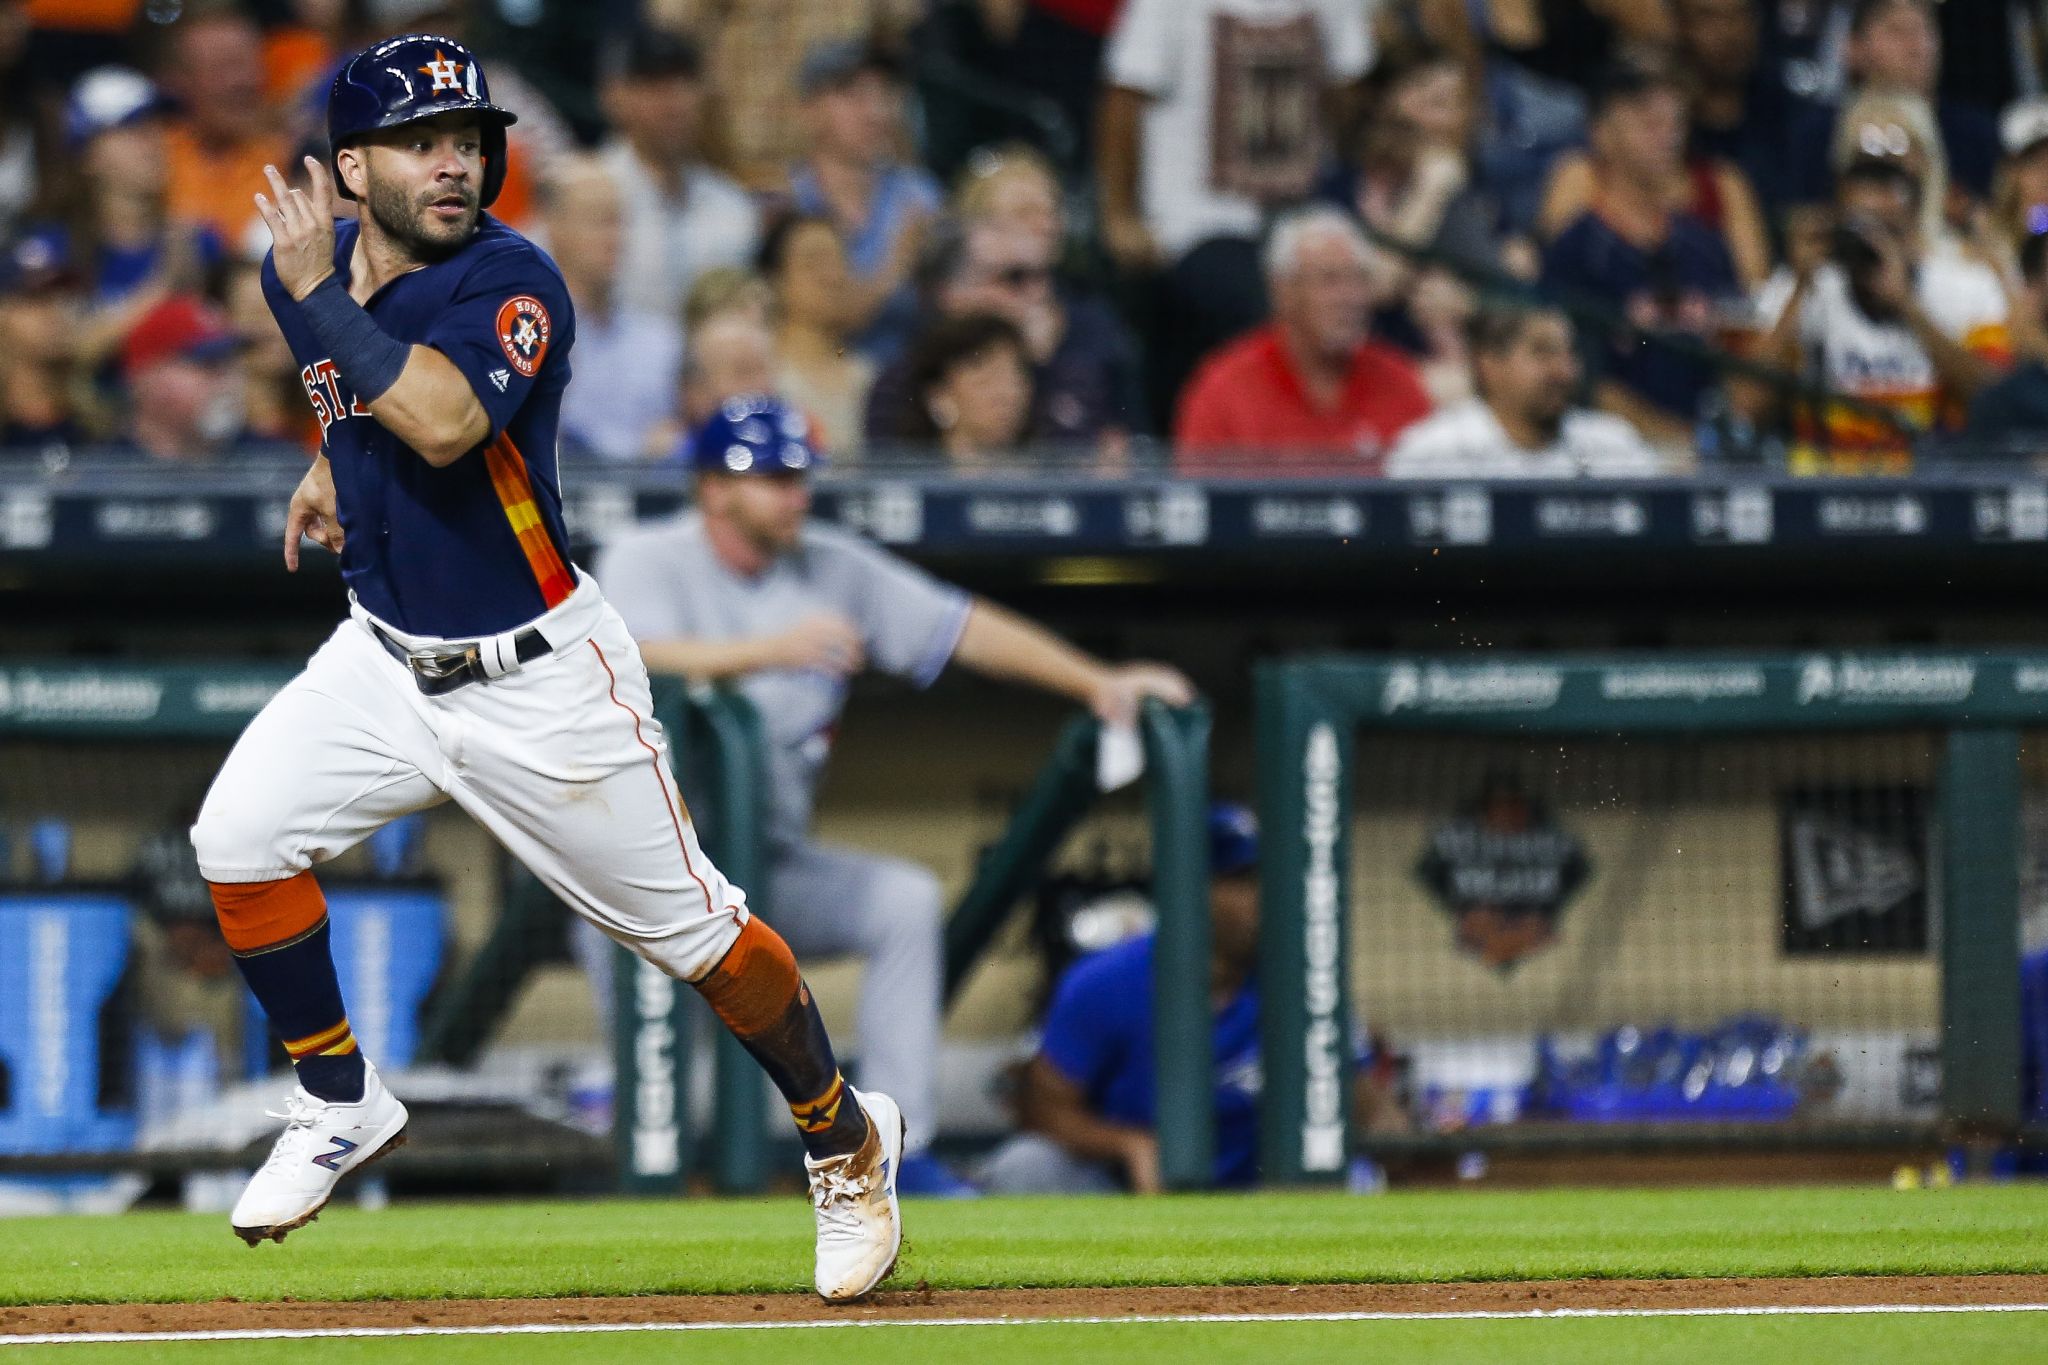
(768, 509)
(422, 181)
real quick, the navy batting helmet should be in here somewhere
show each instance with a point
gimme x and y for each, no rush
(755, 435)
(411, 77)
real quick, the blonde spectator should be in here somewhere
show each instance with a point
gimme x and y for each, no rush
(730, 355)
(805, 265)
(227, 132)
(1899, 127)
(729, 289)
(1014, 187)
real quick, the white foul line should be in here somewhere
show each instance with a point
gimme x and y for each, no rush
(549, 1329)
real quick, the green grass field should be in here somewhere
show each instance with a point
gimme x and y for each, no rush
(502, 1250)
(2009, 1339)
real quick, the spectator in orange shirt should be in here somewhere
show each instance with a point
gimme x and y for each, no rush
(1310, 391)
(226, 133)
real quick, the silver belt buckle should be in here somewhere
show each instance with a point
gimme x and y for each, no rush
(438, 666)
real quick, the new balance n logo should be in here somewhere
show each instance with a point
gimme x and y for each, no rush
(331, 1160)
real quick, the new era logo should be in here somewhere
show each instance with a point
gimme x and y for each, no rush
(331, 1160)
(501, 378)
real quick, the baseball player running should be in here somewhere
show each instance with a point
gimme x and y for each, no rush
(478, 665)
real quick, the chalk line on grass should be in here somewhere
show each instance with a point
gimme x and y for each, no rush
(577, 1329)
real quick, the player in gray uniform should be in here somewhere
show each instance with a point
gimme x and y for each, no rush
(745, 589)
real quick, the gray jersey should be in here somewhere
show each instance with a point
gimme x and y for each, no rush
(665, 581)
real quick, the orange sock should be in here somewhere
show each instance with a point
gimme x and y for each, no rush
(757, 990)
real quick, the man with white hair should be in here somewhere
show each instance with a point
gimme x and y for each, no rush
(1310, 391)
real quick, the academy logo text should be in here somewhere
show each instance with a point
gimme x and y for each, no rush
(1850, 680)
(1435, 688)
(28, 695)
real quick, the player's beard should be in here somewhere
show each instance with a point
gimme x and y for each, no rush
(404, 220)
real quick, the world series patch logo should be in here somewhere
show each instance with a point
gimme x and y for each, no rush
(523, 332)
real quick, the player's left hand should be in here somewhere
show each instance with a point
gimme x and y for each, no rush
(301, 225)
(1123, 689)
(312, 513)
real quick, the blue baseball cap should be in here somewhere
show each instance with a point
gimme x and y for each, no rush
(1233, 838)
(109, 97)
(754, 435)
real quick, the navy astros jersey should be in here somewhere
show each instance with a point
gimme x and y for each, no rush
(476, 547)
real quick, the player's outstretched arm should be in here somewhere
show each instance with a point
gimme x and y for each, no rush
(823, 642)
(1001, 644)
(414, 392)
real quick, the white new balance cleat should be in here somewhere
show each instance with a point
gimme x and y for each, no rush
(860, 1228)
(322, 1142)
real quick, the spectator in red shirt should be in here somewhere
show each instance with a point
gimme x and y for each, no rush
(1311, 391)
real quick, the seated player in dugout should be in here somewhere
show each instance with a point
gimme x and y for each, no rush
(1088, 1103)
(746, 588)
(476, 665)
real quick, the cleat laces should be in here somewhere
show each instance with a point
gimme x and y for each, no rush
(837, 1197)
(299, 1115)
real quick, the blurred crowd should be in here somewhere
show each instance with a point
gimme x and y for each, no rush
(1412, 238)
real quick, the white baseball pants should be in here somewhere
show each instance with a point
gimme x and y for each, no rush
(561, 759)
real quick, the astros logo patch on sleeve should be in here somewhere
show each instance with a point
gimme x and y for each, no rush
(523, 331)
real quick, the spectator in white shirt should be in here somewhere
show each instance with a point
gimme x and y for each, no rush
(682, 217)
(1213, 117)
(1522, 425)
(621, 399)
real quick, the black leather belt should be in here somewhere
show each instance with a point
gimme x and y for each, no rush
(436, 674)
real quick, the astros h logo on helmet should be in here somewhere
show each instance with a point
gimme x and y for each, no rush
(447, 73)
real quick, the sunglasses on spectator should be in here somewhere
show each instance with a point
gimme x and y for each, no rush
(1019, 276)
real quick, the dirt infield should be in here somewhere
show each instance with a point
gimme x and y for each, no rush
(918, 1303)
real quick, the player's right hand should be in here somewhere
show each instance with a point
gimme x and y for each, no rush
(301, 223)
(823, 642)
(312, 513)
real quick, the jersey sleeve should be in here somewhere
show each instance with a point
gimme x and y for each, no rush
(908, 620)
(1076, 1040)
(1144, 48)
(508, 330)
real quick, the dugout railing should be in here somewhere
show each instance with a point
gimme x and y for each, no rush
(717, 749)
(1336, 734)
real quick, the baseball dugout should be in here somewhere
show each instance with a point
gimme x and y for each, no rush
(1720, 901)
